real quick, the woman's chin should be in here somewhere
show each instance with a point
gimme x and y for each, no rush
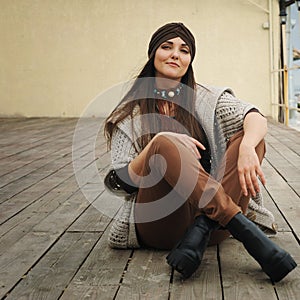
(171, 76)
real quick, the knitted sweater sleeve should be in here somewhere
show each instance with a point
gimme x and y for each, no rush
(122, 149)
(230, 113)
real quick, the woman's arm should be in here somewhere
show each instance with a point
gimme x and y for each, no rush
(117, 180)
(255, 128)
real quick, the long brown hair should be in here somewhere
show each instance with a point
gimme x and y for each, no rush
(184, 114)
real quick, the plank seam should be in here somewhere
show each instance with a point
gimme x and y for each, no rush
(220, 271)
(123, 273)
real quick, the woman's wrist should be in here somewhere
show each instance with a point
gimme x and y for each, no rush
(247, 144)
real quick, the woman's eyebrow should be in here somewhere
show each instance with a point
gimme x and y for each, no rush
(171, 43)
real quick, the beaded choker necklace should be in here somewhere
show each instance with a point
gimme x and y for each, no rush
(168, 94)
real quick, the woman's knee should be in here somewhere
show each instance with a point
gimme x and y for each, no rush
(163, 143)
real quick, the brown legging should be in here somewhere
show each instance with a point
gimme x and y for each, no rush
(225, 202)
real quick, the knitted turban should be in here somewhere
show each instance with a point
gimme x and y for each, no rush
(170, 31)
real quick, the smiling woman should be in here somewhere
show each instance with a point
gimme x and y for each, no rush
(172, 59)
(188, 158)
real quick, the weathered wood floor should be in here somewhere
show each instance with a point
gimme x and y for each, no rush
(53, 241)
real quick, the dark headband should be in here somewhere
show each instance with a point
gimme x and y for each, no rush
(170, 31)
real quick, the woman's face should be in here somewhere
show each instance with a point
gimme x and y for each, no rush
(172, 59)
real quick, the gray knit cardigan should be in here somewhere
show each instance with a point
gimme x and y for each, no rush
(221, 115)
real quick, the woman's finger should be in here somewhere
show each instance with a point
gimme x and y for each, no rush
(198, 144)
(261, 175)
(243, 183)
(255, 183)
(195, 150)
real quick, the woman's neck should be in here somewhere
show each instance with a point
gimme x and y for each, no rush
(165, 83)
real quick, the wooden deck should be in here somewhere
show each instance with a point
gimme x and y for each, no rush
(53, 242)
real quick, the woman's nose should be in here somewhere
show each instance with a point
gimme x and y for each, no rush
(175, 54)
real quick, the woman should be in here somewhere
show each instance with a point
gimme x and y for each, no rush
(189, 158)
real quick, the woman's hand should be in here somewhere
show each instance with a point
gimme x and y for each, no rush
(188, 141)
(255, 128)
(249, 168)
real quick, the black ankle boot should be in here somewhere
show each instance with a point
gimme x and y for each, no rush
(186, 256)
(275, 262)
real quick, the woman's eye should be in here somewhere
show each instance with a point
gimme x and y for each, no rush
(185, 51)
(168, 47)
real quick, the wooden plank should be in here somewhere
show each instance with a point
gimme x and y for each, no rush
(270, 205)
(16, 172)
(108, 204)
(62, 218)
(52, 171)
(286, 169)
(285, 198)
(283, 151)
(24, 222)
(295, 185)
(58, 142)
(48, 217)
(101, 274)
(58, 146)
(16, 143)
(98, 215)
(21, 257)
(286, 136)
(288, 288)
(25, 198)
(242, 277)
(205, 283)
(91, 220)
(76, 292)
(36, 190)
(24, 253)
(26, 180)
(48, 279)
(147, 276)
(15, 124)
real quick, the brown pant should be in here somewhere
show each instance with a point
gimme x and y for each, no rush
(220, 201)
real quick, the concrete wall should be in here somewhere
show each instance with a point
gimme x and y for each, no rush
(57, 55)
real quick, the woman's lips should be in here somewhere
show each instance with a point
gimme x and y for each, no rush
(173, 64)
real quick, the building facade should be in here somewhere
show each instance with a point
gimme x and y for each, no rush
(57, 56)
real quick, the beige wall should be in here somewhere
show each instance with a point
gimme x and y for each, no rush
(57, 55)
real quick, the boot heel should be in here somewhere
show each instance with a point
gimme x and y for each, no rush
(186, 256)
(182, 263)
(274, 261)
(278, 271)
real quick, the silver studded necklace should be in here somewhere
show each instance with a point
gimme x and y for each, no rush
(168, 94)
